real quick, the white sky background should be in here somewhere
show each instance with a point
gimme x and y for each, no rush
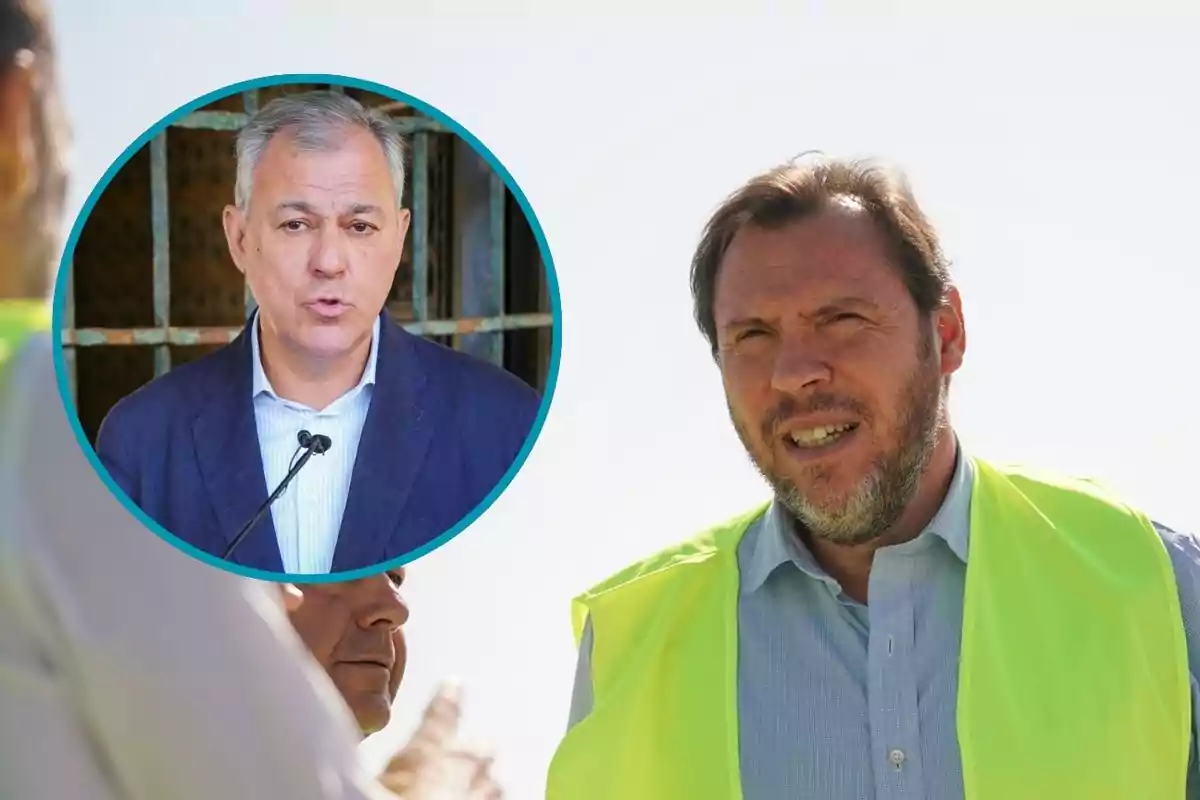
(1058, 161)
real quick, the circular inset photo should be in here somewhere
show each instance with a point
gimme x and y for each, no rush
(309, 328)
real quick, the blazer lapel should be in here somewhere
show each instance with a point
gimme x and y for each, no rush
(395, 439)
(231, 466)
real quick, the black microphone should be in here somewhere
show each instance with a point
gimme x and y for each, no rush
(311, 444)
(320, 444)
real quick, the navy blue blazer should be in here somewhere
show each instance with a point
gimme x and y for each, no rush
(442, 429)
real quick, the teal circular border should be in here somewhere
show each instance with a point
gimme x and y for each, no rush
(65, 267)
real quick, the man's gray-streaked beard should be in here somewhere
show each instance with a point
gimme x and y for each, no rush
(883, 494)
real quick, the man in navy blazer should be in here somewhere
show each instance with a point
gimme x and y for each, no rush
(421, 434)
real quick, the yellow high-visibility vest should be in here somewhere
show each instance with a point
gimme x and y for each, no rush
(1073, 679)
(20, 319)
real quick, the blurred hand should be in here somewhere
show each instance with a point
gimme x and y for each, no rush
(292, 597)
(434, 765)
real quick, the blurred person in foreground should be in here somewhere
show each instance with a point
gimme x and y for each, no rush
(128, 671)
(355, 631)
(903, 619)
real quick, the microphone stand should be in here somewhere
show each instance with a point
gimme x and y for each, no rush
(312, 445)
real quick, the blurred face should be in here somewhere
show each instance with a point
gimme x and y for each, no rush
(319, 243)
(354, 630)
(833, 379)
(32, 177)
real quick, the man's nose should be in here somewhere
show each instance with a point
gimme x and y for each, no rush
(799, 367)
(329, 256)
(387, 607)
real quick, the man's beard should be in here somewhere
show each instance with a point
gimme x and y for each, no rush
(879, 499)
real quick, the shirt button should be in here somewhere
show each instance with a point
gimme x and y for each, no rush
(896, 757)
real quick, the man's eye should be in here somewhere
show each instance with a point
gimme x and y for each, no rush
(362, 227)
(294, 225)
(396, 578)
(846, 316)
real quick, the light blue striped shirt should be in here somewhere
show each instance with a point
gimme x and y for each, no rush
(842, 701)
(308, 514)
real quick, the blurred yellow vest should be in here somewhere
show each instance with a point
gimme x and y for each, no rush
(20, 319)
(1073, 679)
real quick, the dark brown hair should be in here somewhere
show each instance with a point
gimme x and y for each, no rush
(23, 26)
(25, 29)
(807, 185)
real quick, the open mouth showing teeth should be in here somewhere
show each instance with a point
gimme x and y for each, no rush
(821, 436)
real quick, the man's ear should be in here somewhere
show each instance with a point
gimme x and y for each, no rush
(951, 331)
(18, 157)
(234, 221)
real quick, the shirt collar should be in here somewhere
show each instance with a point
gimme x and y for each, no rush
(776, 544)
(260, 384)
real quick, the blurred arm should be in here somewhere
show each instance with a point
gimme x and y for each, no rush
(130, 671)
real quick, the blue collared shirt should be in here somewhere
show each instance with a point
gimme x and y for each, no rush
(845, 701)
(308, 515)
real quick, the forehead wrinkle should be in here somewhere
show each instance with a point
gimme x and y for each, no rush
(841, 256)
(343, 169)
(760, 297)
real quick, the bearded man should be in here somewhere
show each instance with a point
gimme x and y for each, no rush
(838, 642)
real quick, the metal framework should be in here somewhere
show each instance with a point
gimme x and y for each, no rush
(481, 266)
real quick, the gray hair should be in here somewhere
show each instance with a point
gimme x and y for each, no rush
(316, 122)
